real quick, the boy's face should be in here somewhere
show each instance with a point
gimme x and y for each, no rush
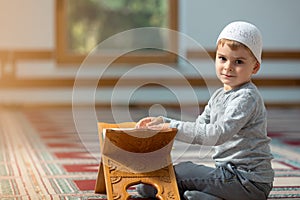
(235, 67)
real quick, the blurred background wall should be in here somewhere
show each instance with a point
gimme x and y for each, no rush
(30, 25)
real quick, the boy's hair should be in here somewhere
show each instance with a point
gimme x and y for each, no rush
(234, 45)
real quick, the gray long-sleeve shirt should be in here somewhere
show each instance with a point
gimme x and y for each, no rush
(235, 123)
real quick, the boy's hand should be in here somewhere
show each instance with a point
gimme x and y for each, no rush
(149, 122)
(162, 126)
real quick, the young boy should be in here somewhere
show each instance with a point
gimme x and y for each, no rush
(234, 121)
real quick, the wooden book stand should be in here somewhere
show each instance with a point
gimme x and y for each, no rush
(133, 156)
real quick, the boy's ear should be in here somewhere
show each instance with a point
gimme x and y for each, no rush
(256, 67)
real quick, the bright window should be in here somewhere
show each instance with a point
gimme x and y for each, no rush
(83, 24)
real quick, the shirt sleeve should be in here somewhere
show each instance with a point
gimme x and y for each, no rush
(204, 132)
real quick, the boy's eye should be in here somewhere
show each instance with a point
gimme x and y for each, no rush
(222, 58)
(239, 62)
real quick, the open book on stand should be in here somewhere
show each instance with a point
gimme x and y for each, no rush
(131, 147)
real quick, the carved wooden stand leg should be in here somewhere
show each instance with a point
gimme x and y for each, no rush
(117, 181)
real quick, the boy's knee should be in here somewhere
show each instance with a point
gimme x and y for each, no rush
(146, 191)
(182, 169)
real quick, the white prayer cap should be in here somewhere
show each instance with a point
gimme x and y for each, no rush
(245, 33)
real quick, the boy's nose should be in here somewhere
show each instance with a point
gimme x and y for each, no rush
(228, 66)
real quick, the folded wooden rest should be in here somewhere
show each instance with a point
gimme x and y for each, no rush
(133, 156)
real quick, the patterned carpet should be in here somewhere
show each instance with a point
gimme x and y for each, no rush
(42, 155)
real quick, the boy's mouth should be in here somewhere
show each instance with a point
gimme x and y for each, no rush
(227, 75)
